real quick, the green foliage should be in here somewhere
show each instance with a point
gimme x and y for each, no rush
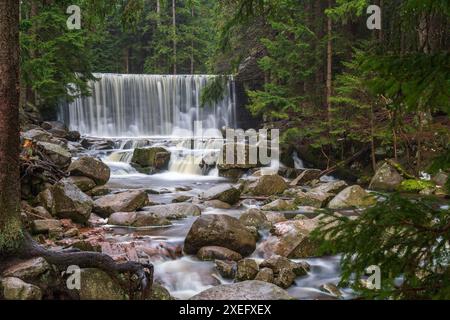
(414, 185)
(56, 62)
(406, 238)
(214, 91)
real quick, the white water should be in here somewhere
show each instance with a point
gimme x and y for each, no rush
(147, 105)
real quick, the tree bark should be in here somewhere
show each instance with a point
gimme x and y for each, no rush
(10, 225)
(174, 25)
(329, 64)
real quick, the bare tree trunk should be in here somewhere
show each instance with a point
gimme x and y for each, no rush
(192, 44)
(10, 225)
(329, 64)
(372, 139)
(158, 12)
(174, 22)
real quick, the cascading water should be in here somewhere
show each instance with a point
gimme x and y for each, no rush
(147, 105)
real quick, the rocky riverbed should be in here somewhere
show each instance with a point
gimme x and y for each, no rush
(211, 232)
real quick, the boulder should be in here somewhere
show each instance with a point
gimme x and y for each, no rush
(28, 269)
(306, 176)
(99, 191)
(127, 201)
(352, 197)
(246, 290)
(226, 193)
(98, 285)
(154, 157)
(331, 289)
(84, 183)
(181, 198)
(219, 230)
(160, 293)
(386, 178)
(59, 155)
(226, 268)
(440, 178)
(330, 187)
(278, 263)
(217, 204)
(291, 239)
(66, 201)
(73, 136)
(91, 168)
(37, 135)
(268, 185)
(280, 205)
(266, 275)
(46, 226)
(415, 185)
(17, 289)
(218, 253)
(137, 219)
(274, 217)
(255, 218)
(173, 211)
(247, 269)
(313, 199)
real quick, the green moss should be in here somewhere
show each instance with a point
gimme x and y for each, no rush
(413, 185)
(11, 235)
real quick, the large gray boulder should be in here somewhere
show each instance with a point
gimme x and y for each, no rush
(66, 201)
(226, 193)
(127, 201)
(91, 168)
(98, 285)
(59, 155)
(219, 253)
(137, 219)
(84, 183)
(330, 187)
(255, 218)
(386, 179)
(268, 185)
(246, 290)
(352, 197)
(17, 289)
(173, 211)
(151, 159)
(219, 230)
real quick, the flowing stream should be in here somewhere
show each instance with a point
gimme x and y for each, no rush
(147, 110)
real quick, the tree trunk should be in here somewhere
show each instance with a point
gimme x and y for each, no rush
(192, 43)
(174, 23)
(329, 65)
(10, 225)
(158, 13)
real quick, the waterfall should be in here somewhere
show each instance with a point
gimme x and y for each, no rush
(123, 105)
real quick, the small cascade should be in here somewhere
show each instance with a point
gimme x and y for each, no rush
(125, 105)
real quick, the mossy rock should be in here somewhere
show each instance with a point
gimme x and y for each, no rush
(414, 186)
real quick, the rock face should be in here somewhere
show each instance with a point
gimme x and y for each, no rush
(330, 187)
(291, 239)
(226, 268)
(280, 205)
(218, 253)
(151, 159)
(84, 183)
(246, 290)
(46, 226)
(352, 197)
(219, 230)
(91, 168)
(305, 176)
(313, 199)
(28, 269)
(137, 219)
(268, 186)
(60, 156)
(16, 289)
(98, 285)
(247, 269)
(386, 179)
(255, 218)
(66, 201)
(173, 211)
(127, 201)
(226, 193)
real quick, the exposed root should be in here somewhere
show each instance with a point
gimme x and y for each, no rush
(139, 276)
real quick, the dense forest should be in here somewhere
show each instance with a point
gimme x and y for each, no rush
(354, 86)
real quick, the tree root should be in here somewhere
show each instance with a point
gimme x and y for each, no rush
(139, 276)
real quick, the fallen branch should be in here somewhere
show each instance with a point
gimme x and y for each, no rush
(344, 163)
